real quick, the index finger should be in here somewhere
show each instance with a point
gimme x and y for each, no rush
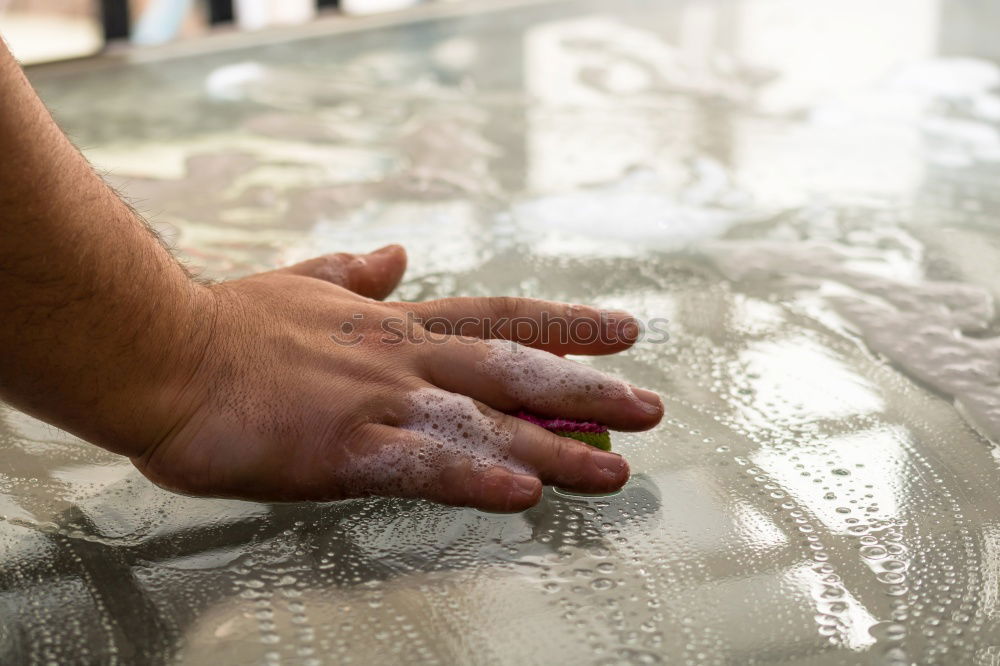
(559, 328)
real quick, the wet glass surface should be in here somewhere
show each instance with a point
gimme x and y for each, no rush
(805, 191)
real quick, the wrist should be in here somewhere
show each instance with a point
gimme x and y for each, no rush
(160, 387)
(111, 367)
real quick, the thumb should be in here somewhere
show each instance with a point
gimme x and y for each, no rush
(374, 275)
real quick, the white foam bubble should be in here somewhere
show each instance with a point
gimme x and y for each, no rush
(228, 82)
(450, 429)
(457, 427)
(546, 382)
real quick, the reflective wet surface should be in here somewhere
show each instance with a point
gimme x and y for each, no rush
(804, 191)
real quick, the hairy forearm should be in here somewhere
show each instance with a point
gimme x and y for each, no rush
(90, 301)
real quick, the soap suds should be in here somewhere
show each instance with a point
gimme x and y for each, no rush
(228, 82)
(550, 383)
(449, 428)
(928, 345)
(917, 325)
(457, 428)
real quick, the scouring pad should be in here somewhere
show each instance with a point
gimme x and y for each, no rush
(583, 431)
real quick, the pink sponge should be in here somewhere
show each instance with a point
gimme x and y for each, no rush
(583, 431)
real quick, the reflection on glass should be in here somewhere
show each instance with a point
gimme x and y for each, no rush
(796, 186)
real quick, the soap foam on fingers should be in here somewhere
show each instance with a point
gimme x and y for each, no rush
(544, 381)
(459, 428)
(447, 428)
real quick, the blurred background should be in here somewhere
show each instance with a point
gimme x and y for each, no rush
(39, 31)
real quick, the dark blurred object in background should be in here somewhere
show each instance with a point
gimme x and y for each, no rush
(47, 30)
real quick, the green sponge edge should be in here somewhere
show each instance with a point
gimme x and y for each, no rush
(600, 440)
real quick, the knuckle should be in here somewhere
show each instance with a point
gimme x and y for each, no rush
(330, 267)
(456, 484)
(512, 424)
(571, 456)
(425, 351)
(339, 258)
(423, 318)
(564, 453)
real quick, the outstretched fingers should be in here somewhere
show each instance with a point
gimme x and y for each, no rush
(402, 462)
(508, 377)
(452, 450)
(564, 462)
(533, 456)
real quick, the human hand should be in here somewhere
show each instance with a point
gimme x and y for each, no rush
(250, 388)
(285, 402)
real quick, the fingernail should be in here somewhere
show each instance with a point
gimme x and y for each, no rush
(620, 324)
(612, 463)
(384, 250)
(525, 485)
(650, 401)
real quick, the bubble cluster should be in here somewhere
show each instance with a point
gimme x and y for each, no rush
(455, 428)
(546, 382)
(449, 431)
